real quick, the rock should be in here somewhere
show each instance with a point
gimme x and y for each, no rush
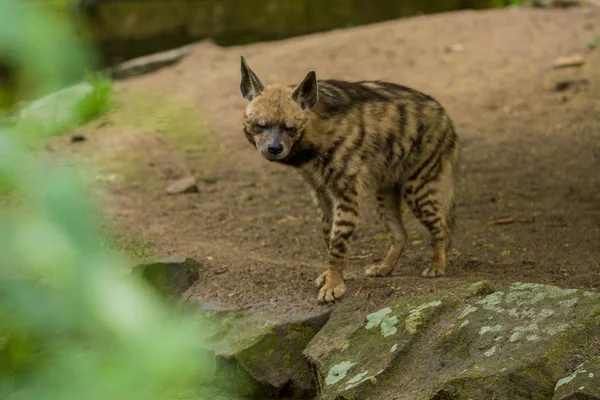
(150, 63)
(170, 277)
(513, 344)
(582, 384)
(455, 48)
(57, 108)
(574, 60)
(260, 355)
(555, 3)
(352, 353)
(183, 185)
(570, 83)
(78, 138)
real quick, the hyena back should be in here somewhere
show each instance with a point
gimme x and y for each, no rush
(347, 139)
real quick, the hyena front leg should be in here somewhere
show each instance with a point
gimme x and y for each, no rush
(389, 208)
(345, 215)
(325, 205)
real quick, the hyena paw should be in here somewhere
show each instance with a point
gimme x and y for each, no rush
(320, 281)
(333, 288)
(378, 270)
(432, 272)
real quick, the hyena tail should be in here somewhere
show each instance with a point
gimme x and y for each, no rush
(451, 215)
(453, 160)
(447, 185)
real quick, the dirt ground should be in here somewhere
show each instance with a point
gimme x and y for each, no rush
(531, 151)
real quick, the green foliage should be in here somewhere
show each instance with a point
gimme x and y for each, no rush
(74, 323)
(96, 103)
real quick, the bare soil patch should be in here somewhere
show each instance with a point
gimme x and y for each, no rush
(531, 151)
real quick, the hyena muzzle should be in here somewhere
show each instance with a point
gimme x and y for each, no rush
(347, 139)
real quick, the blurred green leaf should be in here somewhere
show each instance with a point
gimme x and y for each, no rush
(75, 323)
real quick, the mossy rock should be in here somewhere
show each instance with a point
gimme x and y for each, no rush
(582, 384)
(259, 357)
(354, 352)
(512, 344)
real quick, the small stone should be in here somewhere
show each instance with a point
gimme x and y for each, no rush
(78, 138)
(183, 185)
(455, 48)
(563, 85)
(568, 84)
(574, 60)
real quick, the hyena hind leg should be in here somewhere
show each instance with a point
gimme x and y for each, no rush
(433, 205)
(389, 209)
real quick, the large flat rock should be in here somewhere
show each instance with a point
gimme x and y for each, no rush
(513, 344)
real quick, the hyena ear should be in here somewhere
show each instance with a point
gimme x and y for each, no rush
(250, 85)
(307, 93)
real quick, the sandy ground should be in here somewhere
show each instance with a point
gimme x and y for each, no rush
(530, 152)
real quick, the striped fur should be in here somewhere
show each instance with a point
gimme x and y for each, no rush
(347, 139)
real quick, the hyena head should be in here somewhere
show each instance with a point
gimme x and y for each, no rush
(276, 119)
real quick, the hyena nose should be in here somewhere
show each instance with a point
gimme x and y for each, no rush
(275, 149)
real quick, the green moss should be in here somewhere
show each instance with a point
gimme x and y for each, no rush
(143, 124)
(175, 120)
(96, 103)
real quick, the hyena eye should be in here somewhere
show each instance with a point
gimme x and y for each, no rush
(289, 129)
(260, 126)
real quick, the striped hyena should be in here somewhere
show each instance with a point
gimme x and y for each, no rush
(352, 138)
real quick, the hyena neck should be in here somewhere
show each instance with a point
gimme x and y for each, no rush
(302, 156)
(308, 150)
